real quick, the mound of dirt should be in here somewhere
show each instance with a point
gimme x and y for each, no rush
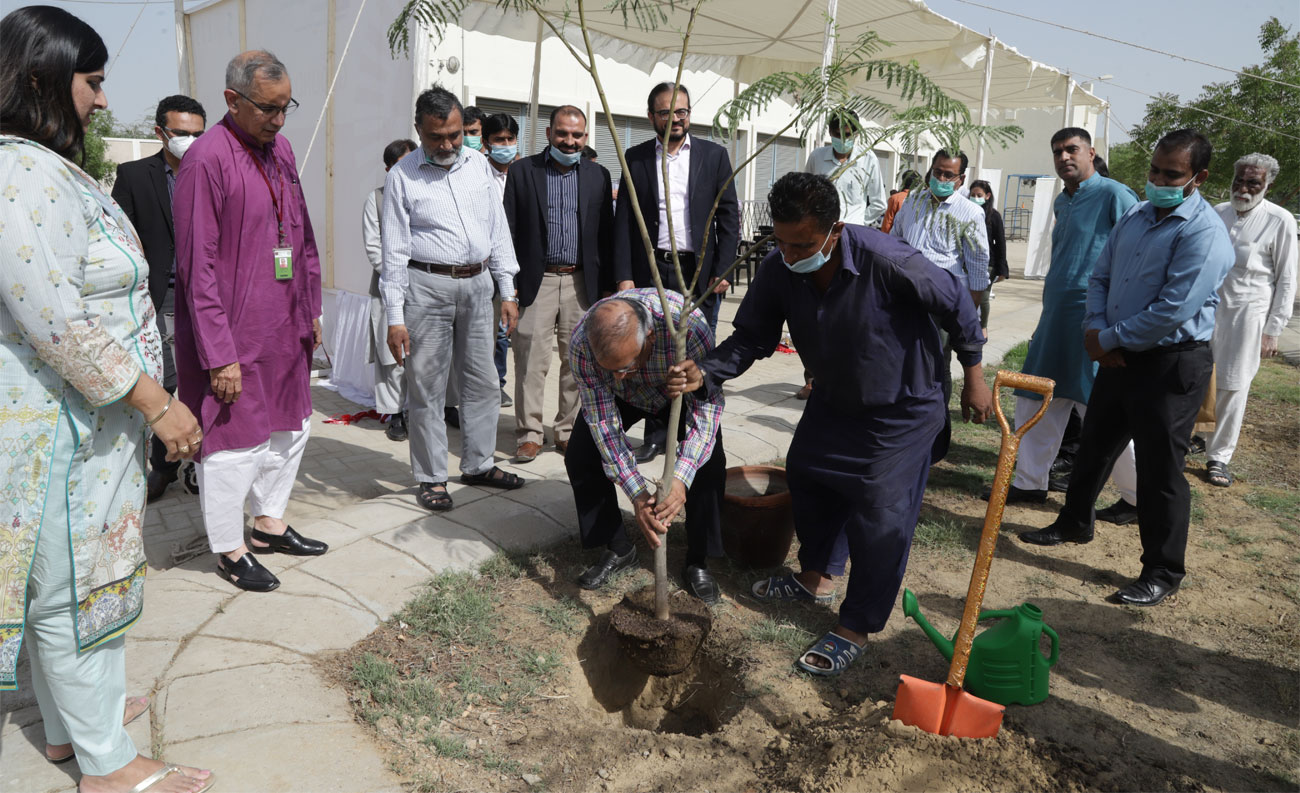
(660, 647)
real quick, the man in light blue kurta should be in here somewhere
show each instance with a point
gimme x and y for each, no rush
(1085, 211)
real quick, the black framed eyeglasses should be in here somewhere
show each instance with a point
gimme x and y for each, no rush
(270, 110)
(681, 113)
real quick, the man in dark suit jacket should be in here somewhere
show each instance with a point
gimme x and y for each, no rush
(560, 209)
(698, 170)
(144, 191)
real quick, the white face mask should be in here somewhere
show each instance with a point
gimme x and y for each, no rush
(179, 144)
(1244, 202)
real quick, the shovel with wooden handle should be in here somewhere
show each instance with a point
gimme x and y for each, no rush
(944, 708)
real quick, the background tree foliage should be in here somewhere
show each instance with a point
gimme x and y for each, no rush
(95, 154)
(1244, 99)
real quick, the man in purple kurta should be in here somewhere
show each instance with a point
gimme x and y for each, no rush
(247, 318)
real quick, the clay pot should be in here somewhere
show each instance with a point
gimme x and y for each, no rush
(757, 522)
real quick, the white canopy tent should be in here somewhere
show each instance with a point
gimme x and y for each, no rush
(343, 43)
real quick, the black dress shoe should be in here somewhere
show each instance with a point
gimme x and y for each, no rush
(1121, 513)
(1055, 536)
(1058, 483)
(1017, 496)
(647, 452)
(291, 543)
(594, 577)
(1145, 593)
(452, 417)
(396, 427)
(157, 484)
(247, 573)
(701, 584)
(1196, 445)
(190, 480)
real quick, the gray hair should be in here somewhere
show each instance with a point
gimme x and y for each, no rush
(614, 321)
(1257, 160)
(245, 66)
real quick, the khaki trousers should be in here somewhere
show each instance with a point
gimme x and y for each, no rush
(561, 301)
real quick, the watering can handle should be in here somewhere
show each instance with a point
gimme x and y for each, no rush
(999, 614)
(1056, 646)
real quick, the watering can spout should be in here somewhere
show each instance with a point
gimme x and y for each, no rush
(912, 608)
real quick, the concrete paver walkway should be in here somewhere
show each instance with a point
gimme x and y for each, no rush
(234, 676)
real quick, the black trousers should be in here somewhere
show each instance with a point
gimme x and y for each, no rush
(1152, 400)
(600, 521)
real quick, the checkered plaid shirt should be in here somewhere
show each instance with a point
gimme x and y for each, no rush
(644, 389)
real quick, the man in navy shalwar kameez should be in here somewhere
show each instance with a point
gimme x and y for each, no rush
(859, 305)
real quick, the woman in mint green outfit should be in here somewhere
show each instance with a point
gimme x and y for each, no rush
(80, 358)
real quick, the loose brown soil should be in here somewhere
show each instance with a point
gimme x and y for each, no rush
(1200, 693)
(660, 647)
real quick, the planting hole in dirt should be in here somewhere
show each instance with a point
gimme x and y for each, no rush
(698, 701)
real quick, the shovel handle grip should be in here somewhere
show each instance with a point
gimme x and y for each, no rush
(993, 516)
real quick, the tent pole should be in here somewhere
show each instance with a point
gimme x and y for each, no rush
(828, 52)
(243, 25)
(330, 68)
(536, 91)
(1069, 101)
(984, 104)
(182, 62)
(1105, 150)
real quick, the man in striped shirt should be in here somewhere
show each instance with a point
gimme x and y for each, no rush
(620, 354)
(949, 230)
(443, 220)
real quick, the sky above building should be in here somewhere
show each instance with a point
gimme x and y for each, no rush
(141, 39)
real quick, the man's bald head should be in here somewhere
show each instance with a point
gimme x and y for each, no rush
(246, 67)
(616, 330)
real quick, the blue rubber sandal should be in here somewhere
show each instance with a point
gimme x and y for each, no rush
(837, 650)
(787, 587)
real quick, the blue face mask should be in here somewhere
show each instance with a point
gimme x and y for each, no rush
(504, 154)
(842, 146)
(942, 189)
(813, 263)
(475, 142)
(979, 202)
(564, 158)
(1166, 197)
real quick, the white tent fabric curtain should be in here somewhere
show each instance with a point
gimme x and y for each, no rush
(353, 375)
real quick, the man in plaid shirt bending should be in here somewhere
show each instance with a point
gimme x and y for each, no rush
(620, 353)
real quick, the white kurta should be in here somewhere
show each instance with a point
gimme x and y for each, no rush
(1257, 295)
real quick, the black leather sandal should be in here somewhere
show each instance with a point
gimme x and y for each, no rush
(494, 477)
(434, 496)
(247, 573)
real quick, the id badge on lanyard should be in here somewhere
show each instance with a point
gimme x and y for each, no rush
(283, 263)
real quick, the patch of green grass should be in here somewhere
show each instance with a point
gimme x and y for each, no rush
(502, 567)
(1235, 537)
(1041, 582)
(768, 631)
(562, 615)
(1253, 555)
(1197, 506)
(1014, 360)
(1283, 505)
(405, 698)
(448, 746)
(1277, 383)
(455, 607)
(941, 535)
(503, 765)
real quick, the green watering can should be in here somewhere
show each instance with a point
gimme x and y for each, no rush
(1006, 664)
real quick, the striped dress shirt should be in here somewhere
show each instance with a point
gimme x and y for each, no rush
(561, 215)
(644, 389)
(442, 216)
(953, 235)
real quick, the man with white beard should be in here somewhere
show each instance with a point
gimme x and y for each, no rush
(1255, 300)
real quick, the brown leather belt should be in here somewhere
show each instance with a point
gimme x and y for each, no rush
(453, 270)
(562, 269)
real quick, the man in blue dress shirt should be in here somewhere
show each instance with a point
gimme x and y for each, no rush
(862, 308)
(1148, 322)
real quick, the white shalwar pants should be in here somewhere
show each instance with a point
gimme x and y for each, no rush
(1229, 410)
(260, 478)
(1039, 447)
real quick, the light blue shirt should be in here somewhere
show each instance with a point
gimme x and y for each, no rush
(442, 216)
(1156, 283)
(953, 235)
(862, 191)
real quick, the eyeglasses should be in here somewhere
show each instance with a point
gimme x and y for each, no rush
(180, 133)
(270, 111)
(681, 114)
(636, 364)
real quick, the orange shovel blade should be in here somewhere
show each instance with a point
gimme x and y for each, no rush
(945, 710)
